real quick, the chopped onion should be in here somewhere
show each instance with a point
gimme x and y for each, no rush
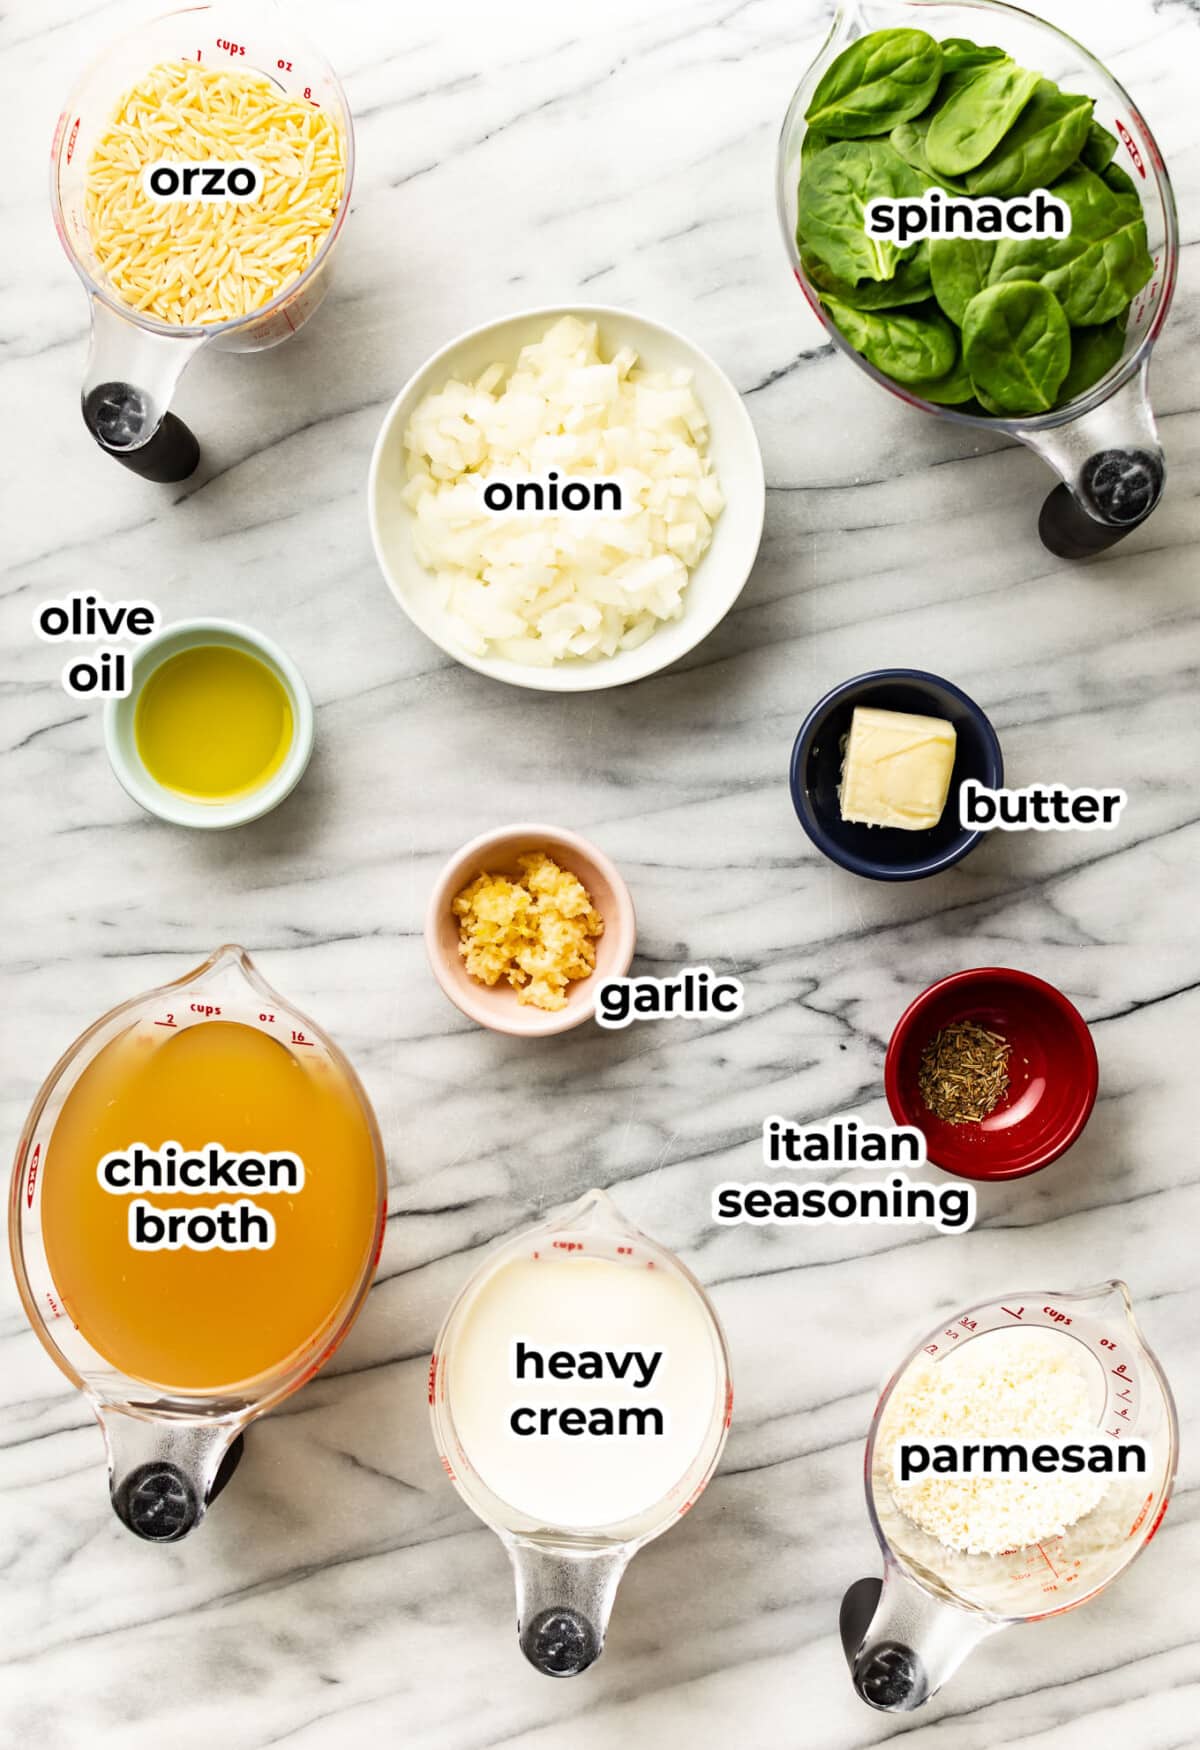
(544, 588)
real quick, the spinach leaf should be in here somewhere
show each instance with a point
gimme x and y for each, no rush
(959, 54)
(1099, 147)
(1017, 346)
(1042, 143)
(977, 115)
(1094, 352)
(908, 138)
(830, 207)
(814, 141)
(958, 269)
(908, 285)
(879, 80)
(952, 390)
(913, 349)
(1120, 182)
(1096, 270)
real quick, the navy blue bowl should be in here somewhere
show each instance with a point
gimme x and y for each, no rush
(885, 853)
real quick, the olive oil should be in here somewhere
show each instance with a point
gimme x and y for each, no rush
(213, 723)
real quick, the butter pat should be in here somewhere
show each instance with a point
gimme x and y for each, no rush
(897, 769)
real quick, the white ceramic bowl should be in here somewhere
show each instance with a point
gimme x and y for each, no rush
(716, 582)
(496, 853)
(121, 743)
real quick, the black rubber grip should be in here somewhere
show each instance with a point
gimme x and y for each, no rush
(156, 1501)
(887, 1674)
(560, 1642)
(1121, 487)
(117, 415)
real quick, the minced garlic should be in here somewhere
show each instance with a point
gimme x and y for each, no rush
(538, 931)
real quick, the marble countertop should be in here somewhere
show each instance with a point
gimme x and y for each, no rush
(341, 1592)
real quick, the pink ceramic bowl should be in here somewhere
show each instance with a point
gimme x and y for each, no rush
(496, 853)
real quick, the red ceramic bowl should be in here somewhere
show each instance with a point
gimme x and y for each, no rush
(1053, 1075)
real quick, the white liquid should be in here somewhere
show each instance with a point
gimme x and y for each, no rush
(560, 1302)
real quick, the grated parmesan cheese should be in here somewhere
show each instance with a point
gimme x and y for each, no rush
(1010, 1385)
(196, 261)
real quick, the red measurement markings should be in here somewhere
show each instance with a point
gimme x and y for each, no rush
(1047, 1561)
(55, 1309)
(1127, 137)
(568, 1245)
(74, 135)
(31, 1175)
(433, 1360)
(1014, 1313)
(298, 1038)
(169, 1022)
(1158, 1521)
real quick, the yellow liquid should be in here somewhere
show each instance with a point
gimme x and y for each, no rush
(212, 723)
(204, 1320)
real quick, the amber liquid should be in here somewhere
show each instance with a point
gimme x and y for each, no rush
(208, 1320)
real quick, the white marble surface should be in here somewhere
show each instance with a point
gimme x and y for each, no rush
(340, 1593)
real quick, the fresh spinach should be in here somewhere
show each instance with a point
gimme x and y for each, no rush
(879, 80)
(834, 191)
(977, 115)
(908, 138)
(1096, 270)
(958, 269)
(960, 54)
(910, 348)
(1120, 182)
(909, 284)
(897, 114)
(1094, 352)
(952, 390)
(1016, 344)
(1098, 148)
(1042, 143)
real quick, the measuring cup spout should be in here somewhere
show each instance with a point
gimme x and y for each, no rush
(901, 1643)
(131, 376)
(564, 1600)
(165, 1471)
(1112, 469)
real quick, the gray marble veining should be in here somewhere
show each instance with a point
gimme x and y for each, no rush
(340, 1591)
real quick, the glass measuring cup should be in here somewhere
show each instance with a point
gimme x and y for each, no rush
(135, 361)
(171, 1449)
(1104, 444)
(567, 1579)
(905, 1636)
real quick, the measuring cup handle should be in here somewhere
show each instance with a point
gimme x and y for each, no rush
(887, 1674)
(115, 413)
(1115, 493)
(564, 1600)
(901, 1642)
(164, 1475)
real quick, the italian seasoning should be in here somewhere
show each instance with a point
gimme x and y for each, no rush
(963, 1074)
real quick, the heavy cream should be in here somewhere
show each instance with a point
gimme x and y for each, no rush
(583, 1388)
